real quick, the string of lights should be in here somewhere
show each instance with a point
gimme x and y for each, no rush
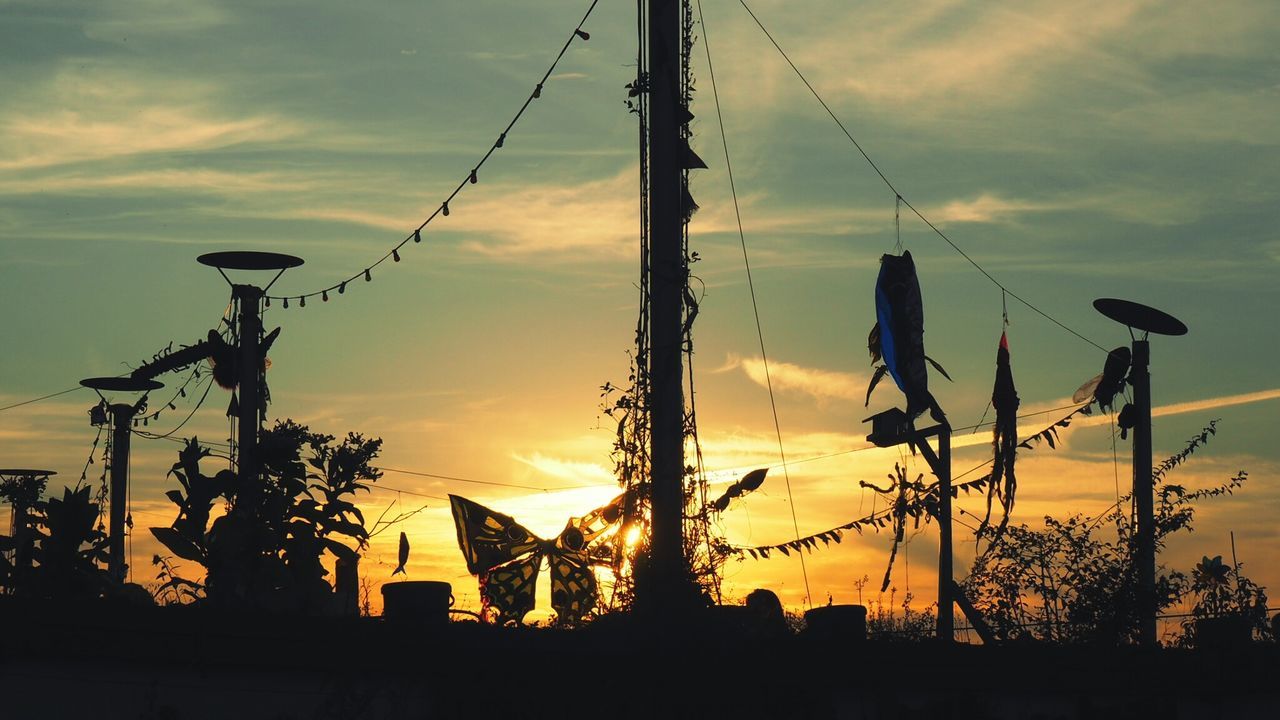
(195, 374)
(161, 436)
(899, 198)
(471, 178)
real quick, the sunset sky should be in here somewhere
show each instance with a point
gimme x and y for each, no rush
(1099, 148)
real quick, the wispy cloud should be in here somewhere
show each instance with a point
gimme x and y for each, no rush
(822, 385)
(100, 113)
(586, 473)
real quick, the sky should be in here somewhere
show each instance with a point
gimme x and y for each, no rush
(1117, 148)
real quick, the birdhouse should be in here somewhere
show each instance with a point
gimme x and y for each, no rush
(888, 428)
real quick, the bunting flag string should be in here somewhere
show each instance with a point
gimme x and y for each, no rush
(921, 507)
(471, 178)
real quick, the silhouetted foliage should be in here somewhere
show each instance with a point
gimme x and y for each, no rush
(266, 551)
(56, 550)
(1227, 601)
(1063, 583)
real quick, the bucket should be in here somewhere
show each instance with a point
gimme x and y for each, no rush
(424, 602)
(837, 622)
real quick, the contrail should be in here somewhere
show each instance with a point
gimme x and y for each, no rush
(1194, 405)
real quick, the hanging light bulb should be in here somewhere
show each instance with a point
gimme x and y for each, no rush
(473, 178)
(445, 208)
(324, 295)
(367, 277)
(182, 391)
(267, 300)
(172, 406)
(582, 34)
(537, 91)
(395, 255)
(302, 300)
(501, 139)
(342, 287)
(417, 235)
(286, 303)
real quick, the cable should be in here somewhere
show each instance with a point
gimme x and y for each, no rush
(899, 195)
(470, 179)
(755, 309)
(42, 397)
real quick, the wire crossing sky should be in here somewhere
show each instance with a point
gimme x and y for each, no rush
(1125, 148)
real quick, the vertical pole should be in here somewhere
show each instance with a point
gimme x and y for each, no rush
(946, 607)
(250, 388)
(121, 432)
(1140, 379)
(667, 279)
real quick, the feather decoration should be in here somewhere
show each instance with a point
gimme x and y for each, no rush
(1004, 441)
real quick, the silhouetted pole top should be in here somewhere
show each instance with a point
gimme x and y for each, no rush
(120, 384)
(1139, 316)
(23, 472)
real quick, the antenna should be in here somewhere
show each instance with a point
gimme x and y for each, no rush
(122, 415)
(1136, 316)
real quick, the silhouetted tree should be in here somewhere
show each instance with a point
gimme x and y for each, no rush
(1064, 583)
(266, 550)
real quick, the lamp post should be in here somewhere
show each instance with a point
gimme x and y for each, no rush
(248, 361)
(1149, 320)
(122, 415)
(891, 428)
(22, 488)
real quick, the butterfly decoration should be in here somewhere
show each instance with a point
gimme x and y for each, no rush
(506, 558)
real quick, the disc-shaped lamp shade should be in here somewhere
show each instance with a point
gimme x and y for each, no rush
(121, 384)
(24, 472)
(1141, 317)
(249, 260)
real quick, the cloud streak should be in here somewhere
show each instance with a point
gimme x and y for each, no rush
(821, 385)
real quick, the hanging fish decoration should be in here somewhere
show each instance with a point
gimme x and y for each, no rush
(898, 336)
(404, 555)
(1004, 441)
(1113, 376)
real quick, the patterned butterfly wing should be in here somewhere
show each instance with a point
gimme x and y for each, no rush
(508, 589)
(488, 538)
(573, 582)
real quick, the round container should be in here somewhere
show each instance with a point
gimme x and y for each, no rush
(845, 622)
(425, 602)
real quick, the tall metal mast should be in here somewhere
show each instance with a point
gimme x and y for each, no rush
(667, 277)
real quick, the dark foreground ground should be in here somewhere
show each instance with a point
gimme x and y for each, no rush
(180, 664)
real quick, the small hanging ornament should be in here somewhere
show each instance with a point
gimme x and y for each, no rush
(342, 287)
(445, 208)
(324, 296)
(368, 277)
(395, 255)
(417, 235)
